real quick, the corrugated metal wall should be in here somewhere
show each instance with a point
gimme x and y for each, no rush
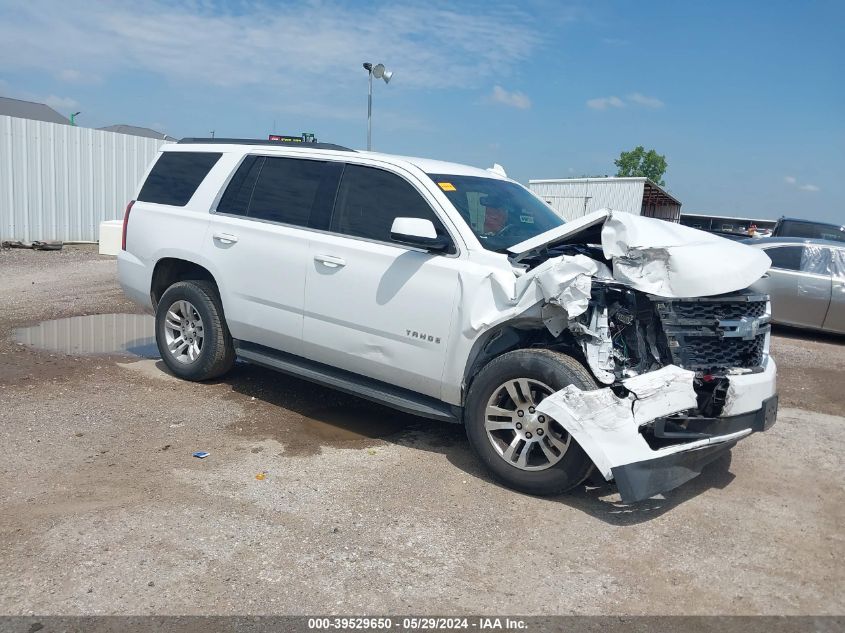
(576, 198)
(668, 212)
(58, 182)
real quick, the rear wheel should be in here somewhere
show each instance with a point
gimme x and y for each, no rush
(522, 448)
(191, 333)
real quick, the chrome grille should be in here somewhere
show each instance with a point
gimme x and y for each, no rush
(718, 311)
(714, 334)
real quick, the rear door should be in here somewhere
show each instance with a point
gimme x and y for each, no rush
(375, 307)
(799, 297)
(815, 284)
(258, 239)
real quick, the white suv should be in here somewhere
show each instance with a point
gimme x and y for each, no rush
(615, 341)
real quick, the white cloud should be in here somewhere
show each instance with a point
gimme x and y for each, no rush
(604, 103)
(73, 76)
(69, 74)
(635, 98)
(642, 100)
(59, 103)
(294, 49)
(792, 180)
(513, 99)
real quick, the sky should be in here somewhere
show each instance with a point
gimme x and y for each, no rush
(745, 99)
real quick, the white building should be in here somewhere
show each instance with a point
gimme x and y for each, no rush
(574, 197)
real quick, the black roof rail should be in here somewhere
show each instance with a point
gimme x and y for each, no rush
(258, 141)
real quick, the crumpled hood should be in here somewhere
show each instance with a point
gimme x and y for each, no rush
(658, 257)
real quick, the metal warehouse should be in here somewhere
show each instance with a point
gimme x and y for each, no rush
(574, 197)
(58, 182)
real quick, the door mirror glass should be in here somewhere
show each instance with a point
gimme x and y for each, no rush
(418, 232)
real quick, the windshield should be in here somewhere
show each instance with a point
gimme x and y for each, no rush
(499, 212)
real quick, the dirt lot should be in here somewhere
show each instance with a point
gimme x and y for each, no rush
(363, 510)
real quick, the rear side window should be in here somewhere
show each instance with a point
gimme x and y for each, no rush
(785, 257)
(815, 259)
(369, 199)
(175, 177)
(286, 189)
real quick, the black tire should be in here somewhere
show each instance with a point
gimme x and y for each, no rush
(217, 354)
(553, 369)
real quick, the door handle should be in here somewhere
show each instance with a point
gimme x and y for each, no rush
(330, 261)
(225, 238)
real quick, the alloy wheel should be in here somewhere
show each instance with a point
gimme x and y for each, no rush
(183, 331)
(521, 436)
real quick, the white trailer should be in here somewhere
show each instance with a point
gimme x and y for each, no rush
(575, 197)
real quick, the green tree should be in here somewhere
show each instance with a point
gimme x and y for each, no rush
(639, 162)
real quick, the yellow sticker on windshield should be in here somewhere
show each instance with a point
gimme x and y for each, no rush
(447, 186)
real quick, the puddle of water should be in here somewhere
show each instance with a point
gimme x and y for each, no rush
(108, 334)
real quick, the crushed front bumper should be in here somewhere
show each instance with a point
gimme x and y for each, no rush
(640, 480)
(611, 426)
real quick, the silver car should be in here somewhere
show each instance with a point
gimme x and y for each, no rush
(806, 282)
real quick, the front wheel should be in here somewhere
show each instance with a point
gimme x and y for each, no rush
(523, 449)
(191, 333)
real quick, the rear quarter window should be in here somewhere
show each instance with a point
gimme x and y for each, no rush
(175, 177)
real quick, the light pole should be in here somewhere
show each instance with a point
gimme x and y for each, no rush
(73, 118)
(378, 71)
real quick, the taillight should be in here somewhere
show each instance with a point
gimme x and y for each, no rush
(125, 224)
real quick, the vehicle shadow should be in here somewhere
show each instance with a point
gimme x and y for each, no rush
(326, 417)
(801, 334)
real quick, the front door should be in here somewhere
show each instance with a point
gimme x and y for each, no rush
(372, 306)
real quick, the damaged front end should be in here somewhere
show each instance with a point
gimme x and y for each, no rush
(684, 378)
(683, 381)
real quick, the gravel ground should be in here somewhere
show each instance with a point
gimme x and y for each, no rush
(364, 510)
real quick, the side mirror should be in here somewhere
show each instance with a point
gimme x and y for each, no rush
(420, 233)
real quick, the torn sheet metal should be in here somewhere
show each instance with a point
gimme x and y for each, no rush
(661, 258)
(747, 390)
(563, 281)
(606, 426)
(598, 349)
